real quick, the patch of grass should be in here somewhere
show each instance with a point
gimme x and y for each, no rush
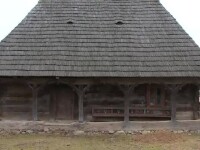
(155, 141)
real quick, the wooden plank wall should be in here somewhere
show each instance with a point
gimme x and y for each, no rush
(16, 101)
(185, 100)
(101, 95)
(105, 95)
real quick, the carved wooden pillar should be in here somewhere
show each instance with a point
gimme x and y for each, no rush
(53, 103)
(1, 104)
(35, 104)
(148, 96)
(126, 107)
(173, 98)
(80, 106)
(80, 90)
(173, 106)
(1, 110)
(1, 100)
(196, 103)
(35, 89)
(126, 89)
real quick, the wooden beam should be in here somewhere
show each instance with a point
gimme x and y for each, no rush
(80, 90)
(126, 109)
(196, 103)
(127, 89)
(1, 109)
(54, 103)
(173, 106)
(103, 80)
(35, 88)
(35, 105)
(80, 106)
(148, 94)
(173, 95)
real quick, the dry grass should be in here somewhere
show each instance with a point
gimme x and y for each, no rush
(155, 141)
(160, 137)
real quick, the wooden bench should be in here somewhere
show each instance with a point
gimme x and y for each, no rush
(117, 111)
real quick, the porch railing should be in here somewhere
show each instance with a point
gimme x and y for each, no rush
(117, 111)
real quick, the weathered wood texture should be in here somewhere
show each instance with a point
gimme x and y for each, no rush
(150, 43)
(138, 100)
(146, 100)
(173, 97)
(16, 101)
(35, 105)
(58, 101)
(196, 103)
(185, 102)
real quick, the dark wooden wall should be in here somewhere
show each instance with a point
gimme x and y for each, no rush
(101, 95)
(16, 100)
(185, 101)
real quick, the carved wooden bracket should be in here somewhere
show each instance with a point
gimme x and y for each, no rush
(174, 88)
(127, 89)
(80, 90)
(35, 88)
(196, 103)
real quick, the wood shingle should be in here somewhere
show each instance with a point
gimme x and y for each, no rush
(99, 38)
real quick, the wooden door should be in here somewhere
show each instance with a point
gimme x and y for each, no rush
(65, 104)
(155, 96)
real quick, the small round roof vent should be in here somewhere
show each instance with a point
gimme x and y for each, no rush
(119, 23)
(69, 22)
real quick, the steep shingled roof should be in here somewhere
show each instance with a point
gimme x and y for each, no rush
(99, 38)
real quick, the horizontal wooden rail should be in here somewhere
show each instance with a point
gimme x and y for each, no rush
(117, 111)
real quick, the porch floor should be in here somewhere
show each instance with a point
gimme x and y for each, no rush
(99, 126)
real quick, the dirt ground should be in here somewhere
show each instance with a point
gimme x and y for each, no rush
(151, 141)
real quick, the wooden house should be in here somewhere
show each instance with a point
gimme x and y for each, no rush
(99, 60)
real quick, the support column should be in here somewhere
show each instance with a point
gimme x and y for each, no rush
(1, 110)
(196, 103)
(53, 104)
(80, 90)
(126, 108)
(148, 96)
(126, 89)
(35, 89)
(35, 105)
(3, 91)
(173, 98)
(173, 106)
(80, 106)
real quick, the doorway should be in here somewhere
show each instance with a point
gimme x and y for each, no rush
(64, 103)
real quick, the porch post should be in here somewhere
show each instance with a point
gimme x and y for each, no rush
(35, 105)
(34, 88)
(173, 95)
(126, 89)
(173, 106)
(80, 106)
(126, 108)
(1, 111)
(196, 103)
(80, 90)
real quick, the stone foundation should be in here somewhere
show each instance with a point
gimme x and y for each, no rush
(90, 128)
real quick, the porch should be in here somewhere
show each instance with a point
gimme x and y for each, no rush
(102, 101)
